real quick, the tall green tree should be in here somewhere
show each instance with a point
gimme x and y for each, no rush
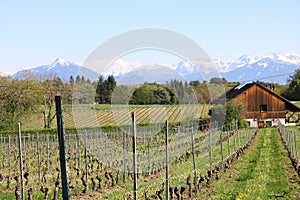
(104, 89)
(18, 98)
(293, 91)
(78, 79)
(51, 88)
(83, 93)
(153, 93)
(110, 84)
(229, 114)
(100, 91)
(122, 94)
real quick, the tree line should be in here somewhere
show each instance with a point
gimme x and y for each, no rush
(21, 98)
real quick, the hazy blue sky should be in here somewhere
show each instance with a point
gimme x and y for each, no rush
(37, 32)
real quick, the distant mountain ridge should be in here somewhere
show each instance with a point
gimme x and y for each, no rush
(61, 68)
(274, 68)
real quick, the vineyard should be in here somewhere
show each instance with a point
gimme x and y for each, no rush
(117, 115)
(154, 160)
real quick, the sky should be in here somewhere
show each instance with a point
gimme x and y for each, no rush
(35, 33)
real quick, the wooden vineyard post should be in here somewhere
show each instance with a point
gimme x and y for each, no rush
(180, 142)
(38, 154)
(228, 142)
(124, 156)
(48, 156)
(210, 151)
(62, 149)
(24, 148)
(21, 161)
(86, 161)
(135, 185)
(296, 148)
(9, 142)
(238, 137)
(4, 154)
(221, 149)
(78, 150)
(234, 140)
(149, 160)
(194, 161)
(2, 142)
(286, 135)
(294, 143)
(167, 158)
(289, 140)
(106, 149)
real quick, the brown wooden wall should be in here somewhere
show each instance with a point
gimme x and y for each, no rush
(256, 96)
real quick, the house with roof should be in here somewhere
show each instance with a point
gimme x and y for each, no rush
(262, 105)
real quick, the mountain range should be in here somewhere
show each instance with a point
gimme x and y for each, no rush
(61, 68)
(274, 68)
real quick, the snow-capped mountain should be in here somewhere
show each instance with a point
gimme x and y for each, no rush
(120, 67)
(150, 73)
(61, 68)
(272, 68)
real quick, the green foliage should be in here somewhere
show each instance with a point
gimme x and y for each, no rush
(201, 91)
(17, 99)
(104, 89)
(234, 112)
(293, 91)
(228, 114)
(22, 98)
(217, 80)
(279, 89)
(121, 94)
(184, 92)
(83, 93)
(49, 89)
(153, 93)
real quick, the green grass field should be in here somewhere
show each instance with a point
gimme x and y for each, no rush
(297, 103)
(264, 172)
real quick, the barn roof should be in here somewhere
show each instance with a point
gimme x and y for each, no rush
(240, 89)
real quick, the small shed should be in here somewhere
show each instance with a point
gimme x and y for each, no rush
(262, 105)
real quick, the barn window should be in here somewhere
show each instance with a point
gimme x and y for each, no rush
(263, 108)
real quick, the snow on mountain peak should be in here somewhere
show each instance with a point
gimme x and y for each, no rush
(246, 60)
(61, 62)
(291, 58)
(61, 68)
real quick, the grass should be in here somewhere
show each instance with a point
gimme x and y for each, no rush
(297, 103)
(263, 172)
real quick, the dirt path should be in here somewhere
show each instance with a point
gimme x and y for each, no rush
(263, 172)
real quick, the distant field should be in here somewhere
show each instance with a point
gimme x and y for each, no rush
(297, 103)
(89, 115)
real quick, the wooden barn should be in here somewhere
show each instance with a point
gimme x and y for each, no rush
(262, 105)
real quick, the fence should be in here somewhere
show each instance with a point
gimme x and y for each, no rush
(291, 141)
(100, 163)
